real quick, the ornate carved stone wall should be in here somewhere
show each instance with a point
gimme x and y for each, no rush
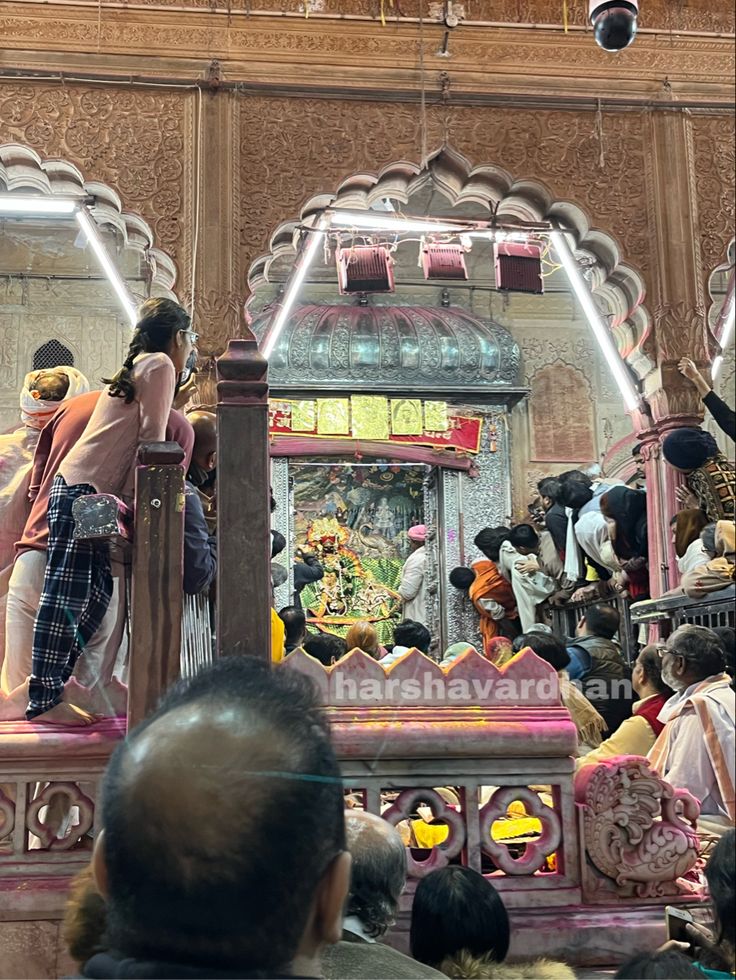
(312, 101)
(305, 147)
(666, 15)
(715, 171)
(140, 142)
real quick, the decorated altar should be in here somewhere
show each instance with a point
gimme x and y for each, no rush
(381, 417)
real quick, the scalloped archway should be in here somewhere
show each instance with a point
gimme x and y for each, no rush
(618, 286)
(23, 170)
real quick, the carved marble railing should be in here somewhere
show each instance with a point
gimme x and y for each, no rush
(49, 782)
(490, 752)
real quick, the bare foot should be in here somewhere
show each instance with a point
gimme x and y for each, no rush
(13, 705)
(66, 714)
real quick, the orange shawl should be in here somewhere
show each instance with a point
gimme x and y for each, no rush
(490, 584)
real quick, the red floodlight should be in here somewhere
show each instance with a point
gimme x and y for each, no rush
(443, 261)
(364, 269)
(519, 267)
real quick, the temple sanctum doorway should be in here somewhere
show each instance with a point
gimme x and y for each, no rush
(432, 361)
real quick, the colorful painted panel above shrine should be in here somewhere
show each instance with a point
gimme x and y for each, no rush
(404, 420)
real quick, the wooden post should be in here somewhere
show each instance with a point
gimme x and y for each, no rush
(156, 602)
(243, 512)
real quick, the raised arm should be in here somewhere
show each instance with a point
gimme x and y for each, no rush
(724, 416)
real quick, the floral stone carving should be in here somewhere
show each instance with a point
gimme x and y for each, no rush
(638, 831)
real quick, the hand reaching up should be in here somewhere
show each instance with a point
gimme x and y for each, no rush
(687, 368)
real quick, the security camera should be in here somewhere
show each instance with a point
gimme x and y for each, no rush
(614, 22)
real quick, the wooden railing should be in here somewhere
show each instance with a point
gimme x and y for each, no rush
(156, 593)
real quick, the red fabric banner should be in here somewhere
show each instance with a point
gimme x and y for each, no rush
(462, 435)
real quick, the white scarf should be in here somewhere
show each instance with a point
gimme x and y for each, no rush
(36, 412)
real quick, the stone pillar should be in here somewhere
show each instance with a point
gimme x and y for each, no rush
(677, 291)
(218, 279)
(678, 279)
(243, 511)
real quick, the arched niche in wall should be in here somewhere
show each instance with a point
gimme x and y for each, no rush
(54, 297)
(545, 328)
(573, 441)
(51, 354)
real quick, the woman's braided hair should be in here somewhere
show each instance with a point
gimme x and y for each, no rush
(159, 321)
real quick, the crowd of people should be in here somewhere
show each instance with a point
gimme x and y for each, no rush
(64, 613)
(317, 901)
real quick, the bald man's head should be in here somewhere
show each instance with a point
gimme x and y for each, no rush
(221, 814)
(205, 439)
(378, 872)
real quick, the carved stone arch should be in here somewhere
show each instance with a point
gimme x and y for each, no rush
(23, 170)
(617, 286)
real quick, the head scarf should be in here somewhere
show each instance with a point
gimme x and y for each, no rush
(499, 650)
(725, 538)
(628, 508)
(418, 533)
(688, 525)
(688, 449)
(363, 636)
(36, 412)
(455, 651)
(724, 562)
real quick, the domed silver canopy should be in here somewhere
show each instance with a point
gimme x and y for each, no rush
(387, 348)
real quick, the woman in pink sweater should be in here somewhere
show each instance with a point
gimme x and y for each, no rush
(78, 585)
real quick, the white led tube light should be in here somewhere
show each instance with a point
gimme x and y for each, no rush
(725, 339)
(372, 221)
(303, 263)
(599, 328)
(29, 204)
(89, 227)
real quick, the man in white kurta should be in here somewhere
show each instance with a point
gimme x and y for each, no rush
(696, 750)
(413, 574)
(519, 565)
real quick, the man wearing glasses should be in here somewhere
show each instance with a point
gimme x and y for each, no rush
(696, 750)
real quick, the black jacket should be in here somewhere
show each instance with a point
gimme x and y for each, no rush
(556, 523)
(305, 572)
(607, 684)
(724, 416)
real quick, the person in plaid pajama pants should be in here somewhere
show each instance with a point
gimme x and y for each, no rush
(76, 594)
(78, 583)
